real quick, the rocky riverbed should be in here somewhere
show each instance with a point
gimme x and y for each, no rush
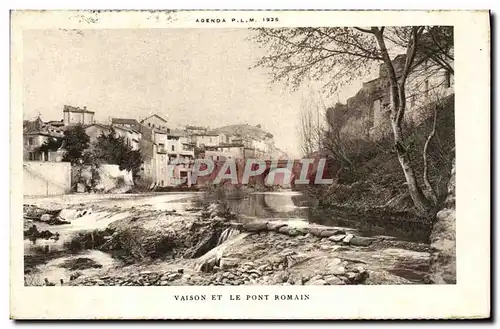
(147, 245)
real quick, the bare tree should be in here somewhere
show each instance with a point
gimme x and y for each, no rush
(338, 55)
(437, 103)
(310, 129)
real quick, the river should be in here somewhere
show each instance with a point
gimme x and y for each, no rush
(88, 212)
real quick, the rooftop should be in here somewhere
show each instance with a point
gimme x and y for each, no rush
(154, 116)
(178, 133)
(208, 133)
(69, 108)
(195, 128)
(124, 121)
(127, 129)
(38, 127)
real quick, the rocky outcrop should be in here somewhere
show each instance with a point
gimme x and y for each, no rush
(162, 247)
(273, 258)
(443, 240)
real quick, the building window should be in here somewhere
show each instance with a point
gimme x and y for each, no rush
(173, 148)
(30, 141)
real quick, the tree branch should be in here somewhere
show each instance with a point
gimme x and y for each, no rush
(364, 30)
(427, 183)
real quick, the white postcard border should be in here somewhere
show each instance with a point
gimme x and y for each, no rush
(470, 297)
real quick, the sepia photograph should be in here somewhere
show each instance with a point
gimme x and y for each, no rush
(260, 155)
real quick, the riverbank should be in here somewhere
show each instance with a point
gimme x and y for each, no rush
(155, 245)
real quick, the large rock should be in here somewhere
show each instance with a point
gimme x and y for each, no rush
(384, 278)
(333, 280)
(337, 238)
(328, 233)
(316, 231)
(45, 218)
(348, 238)
(227, 262)
(256, 226)
(335, 267)
(69, 214)
(360, 241)
(443, 240)
(274, 226)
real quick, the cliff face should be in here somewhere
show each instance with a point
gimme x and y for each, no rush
(366, 114)
(443, 240)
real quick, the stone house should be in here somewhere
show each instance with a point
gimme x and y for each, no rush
(35, 135)
(232, 150)
(155, 122)
(153, 146)
(95, 130)
(131, 136)
(125, 122)
(130, 129)
(180, 157)
(75, 115)
(206, 139)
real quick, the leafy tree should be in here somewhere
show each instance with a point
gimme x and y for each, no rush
(51, 144)
(76, 141)
(132, 162)
(339, 55)
(113, 149)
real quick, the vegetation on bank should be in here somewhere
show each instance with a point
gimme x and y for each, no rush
(372, 178)
(337, 56)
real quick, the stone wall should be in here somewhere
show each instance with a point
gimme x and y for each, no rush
(111, 178)
(46, 178)
(366, 115)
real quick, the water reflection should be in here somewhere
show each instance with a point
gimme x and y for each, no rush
(293, 206)
(268, 205)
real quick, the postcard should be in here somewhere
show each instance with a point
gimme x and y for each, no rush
(250, 164)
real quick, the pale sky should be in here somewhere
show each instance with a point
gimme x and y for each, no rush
(187, 76)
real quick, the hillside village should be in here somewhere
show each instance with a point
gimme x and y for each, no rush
(158, 144)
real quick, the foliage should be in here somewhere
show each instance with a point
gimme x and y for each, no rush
(113, 149)
(50, 145)
(76, 141)
(141, 185)
(338, 55)
(374, 177)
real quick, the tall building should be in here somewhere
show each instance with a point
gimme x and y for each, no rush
(75, 115)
